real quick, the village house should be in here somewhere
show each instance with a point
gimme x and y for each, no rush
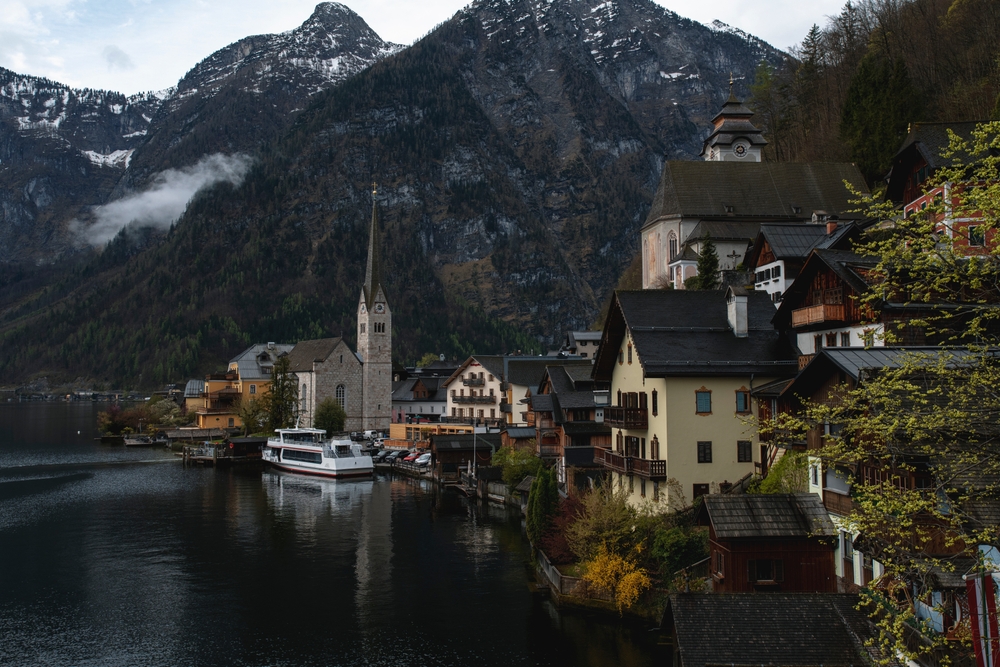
(769, 543)
(475, 391)
(583, 344)
(418, 394)
(780, 251)
(248, 376)
(568, 424)
(681, 366)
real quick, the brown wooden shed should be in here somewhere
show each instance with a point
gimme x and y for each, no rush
(777, 542)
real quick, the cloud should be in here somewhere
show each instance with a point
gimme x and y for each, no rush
(164, 201)
(116, 58)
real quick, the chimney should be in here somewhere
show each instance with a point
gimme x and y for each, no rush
(831, 227)
(736, 307)
(270, 346)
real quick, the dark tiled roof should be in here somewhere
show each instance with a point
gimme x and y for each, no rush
(725, 230)
(306, 352)
(767, 515)
(761, 189)
(686, 332)
(528, 372)
(464, 441)
(519, 432)
(541, 402)
(777, 629)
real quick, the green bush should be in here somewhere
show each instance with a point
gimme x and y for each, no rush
(330, 416)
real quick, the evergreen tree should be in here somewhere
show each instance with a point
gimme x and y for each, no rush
(881, 102)
(283, 396)
(708, 267)
(330, 416)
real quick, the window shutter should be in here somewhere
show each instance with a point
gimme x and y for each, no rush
(779, 571)
(752, 571)
(642, 401)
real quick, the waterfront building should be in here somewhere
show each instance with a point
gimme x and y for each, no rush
(681, 366)
(248, 376)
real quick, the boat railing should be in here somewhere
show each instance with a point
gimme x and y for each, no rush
(338, 452)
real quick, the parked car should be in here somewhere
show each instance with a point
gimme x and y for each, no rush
(397, 455)
(378, 443)
(413, 456)
(424, 459)
(381, 456)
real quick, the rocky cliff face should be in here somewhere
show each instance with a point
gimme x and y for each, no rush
(60, 149)
(517, 148)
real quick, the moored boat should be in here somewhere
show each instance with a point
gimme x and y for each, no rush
(138, 441)
(306, 450)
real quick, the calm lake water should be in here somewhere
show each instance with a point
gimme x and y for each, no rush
(111, 556)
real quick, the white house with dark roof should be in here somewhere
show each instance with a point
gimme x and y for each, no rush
(680, 366)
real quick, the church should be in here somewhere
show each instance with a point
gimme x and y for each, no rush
(360, 381)
(728, 194)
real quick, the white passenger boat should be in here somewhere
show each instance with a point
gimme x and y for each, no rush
(306, 450)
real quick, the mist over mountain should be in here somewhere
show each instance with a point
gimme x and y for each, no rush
(516, 149)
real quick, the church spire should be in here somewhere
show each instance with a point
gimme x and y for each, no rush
(373, 272)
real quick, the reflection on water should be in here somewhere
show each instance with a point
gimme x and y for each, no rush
(106, 562)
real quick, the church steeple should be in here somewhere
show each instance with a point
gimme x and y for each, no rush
(733, 136)
(373, 272)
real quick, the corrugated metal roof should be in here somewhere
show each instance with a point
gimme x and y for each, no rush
(520, 432)
(193, 388)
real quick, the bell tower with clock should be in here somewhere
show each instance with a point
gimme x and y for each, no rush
(734, 138)
(375, 337)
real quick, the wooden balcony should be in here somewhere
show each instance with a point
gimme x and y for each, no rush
(473, 399)
(824, 312)
(626, 417)
(630, 465)
(649, 469)
(473, 382)
(837, 503)
(547, 451)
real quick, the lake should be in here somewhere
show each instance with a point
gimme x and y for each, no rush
(111, 556)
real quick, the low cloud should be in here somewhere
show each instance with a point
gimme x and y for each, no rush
(116, 58)
(164, 201)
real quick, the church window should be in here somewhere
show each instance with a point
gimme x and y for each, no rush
(341, 358)
(672, 242)
(362, 327)
(342, 395)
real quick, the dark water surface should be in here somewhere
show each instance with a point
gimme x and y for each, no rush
(111, 556)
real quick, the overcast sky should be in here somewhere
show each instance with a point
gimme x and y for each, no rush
(136, 45)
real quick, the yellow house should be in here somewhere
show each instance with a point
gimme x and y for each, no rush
(681, 366)
(248, 376)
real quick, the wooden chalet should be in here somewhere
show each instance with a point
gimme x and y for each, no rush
(451, 453)
(769, 543)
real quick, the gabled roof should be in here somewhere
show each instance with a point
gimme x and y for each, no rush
(775, 629)
(788, 241)
(687, 332)
(758, 515)
(924, 143)
(519, 432)
(848, 266)
(529, 372)
(724, 230)
(248, 362)
(494, 365)
(307, 352)
(853, 361)
(564, 390)
(767, 190)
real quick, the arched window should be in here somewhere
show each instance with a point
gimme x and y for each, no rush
(305, 397)
(342, 395)
(672, 242)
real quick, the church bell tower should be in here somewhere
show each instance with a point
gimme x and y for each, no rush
(734, 138)
(375, 337)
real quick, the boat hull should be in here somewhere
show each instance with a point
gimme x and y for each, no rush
(289, 466)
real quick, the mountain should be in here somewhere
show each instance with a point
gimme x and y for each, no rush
(516, 150)
(63, 150)
(247, 93)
